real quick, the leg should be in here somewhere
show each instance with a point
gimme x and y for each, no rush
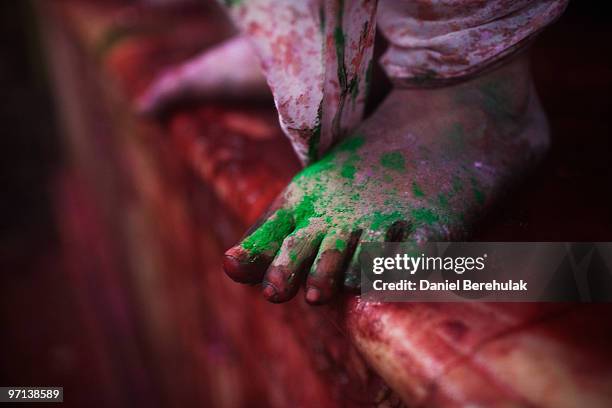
(315, 55)
(425, 165)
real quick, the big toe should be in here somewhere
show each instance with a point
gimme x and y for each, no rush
(242, 267)
(248, 261)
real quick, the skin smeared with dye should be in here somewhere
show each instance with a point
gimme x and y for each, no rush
(393, 160)
(273, 231)
(419, 169)
(406, 179)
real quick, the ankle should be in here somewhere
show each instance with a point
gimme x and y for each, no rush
(505, 91)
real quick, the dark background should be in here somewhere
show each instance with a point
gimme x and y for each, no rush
(569, 198)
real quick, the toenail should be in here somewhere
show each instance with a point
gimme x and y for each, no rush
(237, 271)
(231, 266)
(313, 295)
(269, 292)
(239, 267)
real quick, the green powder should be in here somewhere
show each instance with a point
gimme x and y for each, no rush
(348, 170)
(304, 211)
(270, 234)
(340, 244)
(416, 190)
(315, 169)
(424, 216)
(393, 161)
(379, 219)
(351, 144)
(326, 163)
(443, 201)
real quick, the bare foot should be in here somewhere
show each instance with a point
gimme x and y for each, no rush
(423, 167)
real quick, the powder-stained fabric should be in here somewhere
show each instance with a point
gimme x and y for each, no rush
(316, 54)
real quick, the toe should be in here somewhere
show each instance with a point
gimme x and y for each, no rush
(284, 276)
(352, 278)
(244, 267)
(247, 261)
(399, 231)
(328, 267)
(396, 231)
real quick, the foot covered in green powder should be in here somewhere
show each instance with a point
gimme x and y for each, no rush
(423, 167)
